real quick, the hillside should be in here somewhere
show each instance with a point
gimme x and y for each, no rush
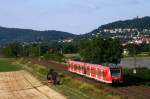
(137, 23)
(15, 34)
(126, 29)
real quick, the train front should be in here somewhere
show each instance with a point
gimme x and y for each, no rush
(117, 75)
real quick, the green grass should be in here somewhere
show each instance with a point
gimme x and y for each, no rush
(70, 56)
(142, 54)
(5, 66)
(76, 89)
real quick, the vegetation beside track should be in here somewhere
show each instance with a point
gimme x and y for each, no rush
(72, 56)
(140, 78)
(76, 87)
(72, 88)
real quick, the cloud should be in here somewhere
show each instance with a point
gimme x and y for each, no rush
(134, 2)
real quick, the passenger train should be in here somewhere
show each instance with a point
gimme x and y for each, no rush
(106, 74)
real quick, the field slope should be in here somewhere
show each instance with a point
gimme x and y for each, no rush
(21, 85)
(5, 66)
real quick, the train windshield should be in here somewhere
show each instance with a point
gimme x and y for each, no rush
(115, 72)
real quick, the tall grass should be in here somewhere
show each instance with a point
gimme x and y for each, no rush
(72, 88)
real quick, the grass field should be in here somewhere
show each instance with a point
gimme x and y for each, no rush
(5, 66)
(77, 55)
(142, 54)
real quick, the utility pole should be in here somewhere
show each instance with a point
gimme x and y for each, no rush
(31, 52)
(134, 70)
(23, 50)
(39, 51)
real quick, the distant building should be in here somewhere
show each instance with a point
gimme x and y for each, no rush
(147, 40)
(137, 17)
(125, 52)
(140, 40)
(66, 40)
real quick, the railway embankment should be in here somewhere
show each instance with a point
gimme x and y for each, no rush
(75, 85)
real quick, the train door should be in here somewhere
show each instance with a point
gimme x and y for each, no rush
(80, 68)
(101, 74)
(93, 72)
(69, 67)
(75, 67)
(88, 70)
(83, 70)
(72, 67)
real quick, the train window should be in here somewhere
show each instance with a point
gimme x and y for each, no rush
(75, 67)
(79, 67)
(72, 66)
(115, 72)
(88, 69)
(93, 71)
(101, 73)
(84, 68)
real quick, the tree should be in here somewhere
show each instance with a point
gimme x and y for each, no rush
(70, 47)
(133, 49)
(115, 51)
(100, 50)
(12, 50)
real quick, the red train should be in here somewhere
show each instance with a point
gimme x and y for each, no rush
(107, 74)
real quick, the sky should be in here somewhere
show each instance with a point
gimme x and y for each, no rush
(74, 16)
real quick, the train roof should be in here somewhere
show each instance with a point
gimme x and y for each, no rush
(110, 65)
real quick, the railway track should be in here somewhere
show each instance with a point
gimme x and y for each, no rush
(131, 92)
(136, 92)
(21, 85)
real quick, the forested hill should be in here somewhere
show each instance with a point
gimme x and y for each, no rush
(137, 23)
(15, 34)
(126, 29)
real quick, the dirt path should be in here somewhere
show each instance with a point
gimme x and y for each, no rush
(21, 85)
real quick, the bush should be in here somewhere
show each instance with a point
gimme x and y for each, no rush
(54, 56)
(141, 77)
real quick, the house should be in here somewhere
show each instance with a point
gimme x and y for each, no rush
(147, 40)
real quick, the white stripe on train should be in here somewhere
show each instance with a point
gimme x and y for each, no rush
(92, 77)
